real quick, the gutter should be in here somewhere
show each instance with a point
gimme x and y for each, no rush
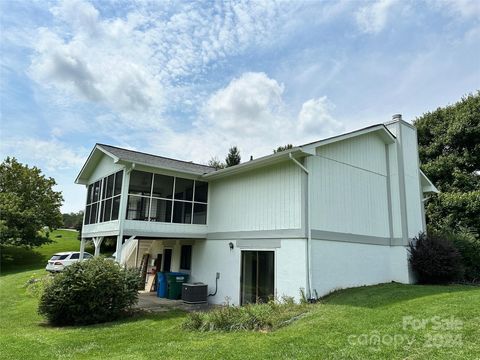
(308, 228)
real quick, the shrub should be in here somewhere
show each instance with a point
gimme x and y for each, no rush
(469, 248)
(266, 316)
(89, 292)
(434, 259)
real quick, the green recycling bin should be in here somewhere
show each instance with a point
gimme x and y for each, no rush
(175, 281)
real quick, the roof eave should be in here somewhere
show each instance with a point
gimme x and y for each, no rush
(380, 129)
(128, 162)
(82, 178)
(255, 164)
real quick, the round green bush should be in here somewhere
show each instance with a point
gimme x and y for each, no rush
(89, 292)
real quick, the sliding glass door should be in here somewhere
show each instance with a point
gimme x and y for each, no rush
(258, 280)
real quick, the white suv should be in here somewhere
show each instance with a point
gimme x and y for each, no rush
(61, 260)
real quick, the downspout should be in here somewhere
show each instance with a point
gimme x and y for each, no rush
(308, 228)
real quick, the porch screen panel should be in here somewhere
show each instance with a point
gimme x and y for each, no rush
(138, 208)
(103, 198)
(166, 199)
(140, 183)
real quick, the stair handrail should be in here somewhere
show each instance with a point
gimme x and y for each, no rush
(128, 248)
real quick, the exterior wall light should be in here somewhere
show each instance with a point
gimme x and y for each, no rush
(230, 244)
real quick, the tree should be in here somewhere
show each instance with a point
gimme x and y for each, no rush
(28, 203)
(215, 163)
(283, 148)
(449, 149)
(72, 220)
(233, 157)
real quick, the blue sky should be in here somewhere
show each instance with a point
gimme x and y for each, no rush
(188, 80)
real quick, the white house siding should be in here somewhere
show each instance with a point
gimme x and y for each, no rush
(348, 187)
(412, 181)
(364, 151)
(407, 137)
(265, 199)
(212, 256)
(105, 167)
(290, 270)
(108, 228)
(152, 228)
(349, 195)
(340, 265)
(394, 191)
(399, 266)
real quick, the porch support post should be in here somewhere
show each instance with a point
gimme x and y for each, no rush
(118, 257)
(123, 210)
(82, 248)
(97, 241)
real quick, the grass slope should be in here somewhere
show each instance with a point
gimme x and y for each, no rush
(16, 258)
(323, 334)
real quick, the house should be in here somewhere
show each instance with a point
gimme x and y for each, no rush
(331, 214)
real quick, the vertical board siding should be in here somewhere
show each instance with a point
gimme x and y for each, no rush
(349, 187)
(365, 151)
(395, 193)
(266, 199)
(347, 199)
(105, 166)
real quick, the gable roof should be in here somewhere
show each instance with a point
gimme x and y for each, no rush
(120, 155)
(156, 161)
(207, 172)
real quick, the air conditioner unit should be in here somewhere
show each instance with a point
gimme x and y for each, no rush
(196, 293)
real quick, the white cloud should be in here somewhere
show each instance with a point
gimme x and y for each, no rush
(51, 155)
(249, 112)
(372, 18)
(248, 105)
(129, 63)
(464, 8)
(315, 116)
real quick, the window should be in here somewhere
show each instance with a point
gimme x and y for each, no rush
(182, 212)
(93, 199)
(201, 191)
(75, 256)
(162, 198)
(162, 186)
(140, 183)
(199, 213)
(186, 257)
(138, 207)
(183, 189)
(161, 210)
(112, 187)
(103, 199)
(59, 257)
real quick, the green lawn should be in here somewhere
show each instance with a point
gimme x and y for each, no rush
(335, 329)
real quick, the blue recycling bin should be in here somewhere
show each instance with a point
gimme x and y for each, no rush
(161, 285)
